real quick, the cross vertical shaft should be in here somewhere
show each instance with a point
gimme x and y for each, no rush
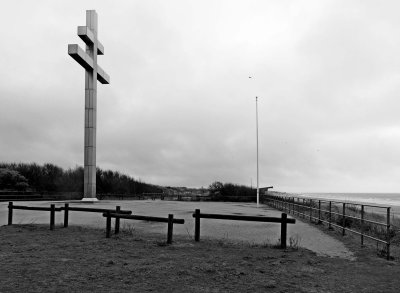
(90, 111)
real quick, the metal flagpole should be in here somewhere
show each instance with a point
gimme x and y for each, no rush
(258, 190)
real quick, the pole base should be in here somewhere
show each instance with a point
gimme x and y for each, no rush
(89, 199)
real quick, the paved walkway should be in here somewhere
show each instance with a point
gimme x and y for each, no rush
(253, 232)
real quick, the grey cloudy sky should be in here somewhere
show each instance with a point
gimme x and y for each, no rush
(180, 109)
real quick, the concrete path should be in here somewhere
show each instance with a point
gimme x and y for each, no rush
(252, 232)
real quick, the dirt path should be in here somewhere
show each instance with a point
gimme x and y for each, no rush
(303, 234)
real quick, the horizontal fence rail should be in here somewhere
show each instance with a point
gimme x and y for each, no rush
(283, 220)
(35, 208)
(52, 209)
(144, 218)
(170, 220)
(336, 214)
(67, 208)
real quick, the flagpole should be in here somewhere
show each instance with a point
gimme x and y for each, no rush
(258, 189)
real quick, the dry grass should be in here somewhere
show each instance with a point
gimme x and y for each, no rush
(78, 259)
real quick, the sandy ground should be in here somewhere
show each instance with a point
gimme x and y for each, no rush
(305, 234)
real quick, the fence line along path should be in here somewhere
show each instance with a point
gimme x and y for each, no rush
(342, 215)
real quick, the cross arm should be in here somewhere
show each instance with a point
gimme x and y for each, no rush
(88, 37)
(80, 56)
(85, 61)
(102, 76)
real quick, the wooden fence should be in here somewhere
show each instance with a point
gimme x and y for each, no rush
(66, 208)
(170, 220)
(313, 209)
(52, 209)
(283, 221)
(118, 214)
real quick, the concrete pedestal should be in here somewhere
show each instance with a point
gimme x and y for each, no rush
(89, 199)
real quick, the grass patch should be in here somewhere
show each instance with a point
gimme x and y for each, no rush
(80, 259)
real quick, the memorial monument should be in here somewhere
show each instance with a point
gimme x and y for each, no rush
(93, 72)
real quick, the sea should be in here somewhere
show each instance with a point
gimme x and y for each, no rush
(379, 199)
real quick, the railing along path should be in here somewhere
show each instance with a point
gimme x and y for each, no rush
(308, 207)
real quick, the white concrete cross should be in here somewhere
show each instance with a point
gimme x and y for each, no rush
(93, 72)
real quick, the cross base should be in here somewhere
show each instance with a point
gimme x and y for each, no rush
(89, 199)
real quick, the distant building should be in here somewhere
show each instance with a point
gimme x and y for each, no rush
(264, 190)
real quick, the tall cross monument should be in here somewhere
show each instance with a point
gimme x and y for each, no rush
(93, 72)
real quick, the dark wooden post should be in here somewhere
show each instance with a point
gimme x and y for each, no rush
(344, 219)
(66, 207)
(108, 225)
(117, 220)
(170, 228)
(362, 225)
(388, 234)
(283, 230)
(298, 207)
(197, 225)
(311, 210)
(52, 216)
(293, 206)
(10, 212)
(319, 212)
(330, 215)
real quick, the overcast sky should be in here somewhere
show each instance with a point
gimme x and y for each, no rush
(180, 108)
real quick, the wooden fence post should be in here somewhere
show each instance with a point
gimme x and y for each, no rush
(197, 225)
(319, 212)
(170, 228)
(362, 225)
(293, 207)
(283, 230)
(388, 234)
(52, 216)
(117, 220)
(297, 206)
(330, 215)
(66, 207)
(302, 210)
(108, 225)
(10, 212)
(344, 219)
